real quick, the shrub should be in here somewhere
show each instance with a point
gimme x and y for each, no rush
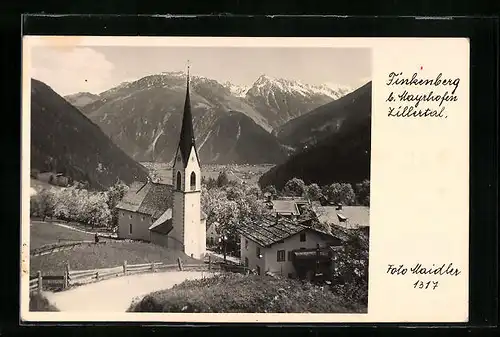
(39, 303)
(236, 293)
(350, 280)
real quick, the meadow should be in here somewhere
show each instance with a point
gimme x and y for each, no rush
(105, 255)
(44, 233)
(110, 253)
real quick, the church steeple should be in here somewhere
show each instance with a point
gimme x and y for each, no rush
(187, 134)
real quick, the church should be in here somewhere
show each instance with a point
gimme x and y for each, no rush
(169, 214)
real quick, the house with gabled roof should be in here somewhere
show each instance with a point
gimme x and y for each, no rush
(290, 207)
(142, 205)
(273, 245)
(348, 217)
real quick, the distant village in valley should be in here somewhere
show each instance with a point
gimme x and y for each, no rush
(229, 229)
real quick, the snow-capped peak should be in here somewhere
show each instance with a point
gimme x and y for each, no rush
(266, 83)
(174, 73)
(236, 90)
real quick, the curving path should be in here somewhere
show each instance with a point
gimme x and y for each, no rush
(116, 295)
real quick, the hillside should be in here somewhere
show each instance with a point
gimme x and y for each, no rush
(81, 98)
(341, 156)
(235, 293)
(236, 138)
(325, 120)
(64, 140)
(143, 117)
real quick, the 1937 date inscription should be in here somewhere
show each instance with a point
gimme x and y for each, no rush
(425, 285)
(419, 269)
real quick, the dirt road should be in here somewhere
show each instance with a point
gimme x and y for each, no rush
(116, 295)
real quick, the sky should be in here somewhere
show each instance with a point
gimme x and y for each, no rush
(96, 69)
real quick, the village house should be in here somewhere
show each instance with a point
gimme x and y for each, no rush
(212, 235)
(170, 215)
(56, 179)
(281, 246)
(348, 217)
(289, 207)
(141, 207)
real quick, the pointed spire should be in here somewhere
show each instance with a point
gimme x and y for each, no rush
(187, 133)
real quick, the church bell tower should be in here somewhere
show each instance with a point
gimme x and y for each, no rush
(188, 229)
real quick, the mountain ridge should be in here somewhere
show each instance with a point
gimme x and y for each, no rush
(66, 141)
(333, 155)
(142, 116)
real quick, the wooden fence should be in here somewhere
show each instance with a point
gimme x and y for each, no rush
(39, 282)
(79, 277)
(57, 247)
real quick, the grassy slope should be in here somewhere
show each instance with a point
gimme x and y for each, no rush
(234, 293)
(104, 255)
(47, 233)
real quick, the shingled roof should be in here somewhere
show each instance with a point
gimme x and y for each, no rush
(288, 206)
(269, 231)
(147, 198)
(347, 217)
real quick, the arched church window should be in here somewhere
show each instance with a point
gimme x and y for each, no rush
(193, 181)
(179, 181)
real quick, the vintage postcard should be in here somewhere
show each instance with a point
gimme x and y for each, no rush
(210, 179)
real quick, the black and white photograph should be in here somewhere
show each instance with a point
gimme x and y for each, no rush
(199, 179)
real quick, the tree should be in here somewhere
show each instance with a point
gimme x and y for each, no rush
(350, 275)
(363, 193)
(270, 189)
(115, 194)
(253, 190)
(341, 193)
(97, 210)
(42, 204)
(294, 188)
(227, 207)
(222, 179)
(313, 192)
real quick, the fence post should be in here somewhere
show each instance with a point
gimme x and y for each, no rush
(66, 276)
(97, 275)
(125, 267)
(153, 266)
(179, 262)
(209, 262)
(40, 285)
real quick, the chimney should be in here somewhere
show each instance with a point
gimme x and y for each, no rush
(277, 217)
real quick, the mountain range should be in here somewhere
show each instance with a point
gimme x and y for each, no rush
(64, 140)
(143, 117)
(333, 143)
(233, 125)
